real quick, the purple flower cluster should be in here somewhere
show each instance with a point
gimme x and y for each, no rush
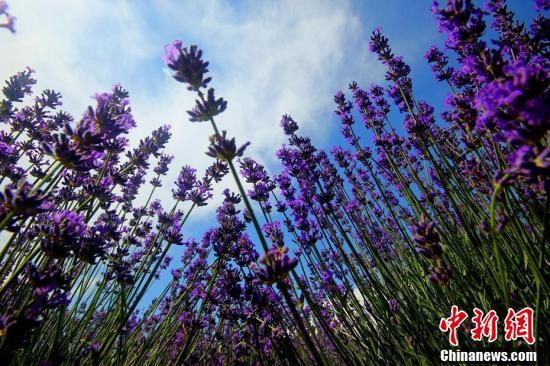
(9, 21)
(275, 265)
(187, 65)
(428, 245)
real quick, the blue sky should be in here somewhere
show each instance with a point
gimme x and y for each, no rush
(267, 58)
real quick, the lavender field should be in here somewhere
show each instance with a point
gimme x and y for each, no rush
(422, 228)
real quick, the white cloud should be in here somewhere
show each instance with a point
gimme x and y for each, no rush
(266, 58)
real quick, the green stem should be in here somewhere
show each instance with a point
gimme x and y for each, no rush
(496, 248)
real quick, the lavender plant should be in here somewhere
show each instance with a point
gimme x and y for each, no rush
(8, 19)
(338, 258)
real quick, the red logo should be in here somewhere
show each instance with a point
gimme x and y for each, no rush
(485, 326)
(451, 323)
(518, 324)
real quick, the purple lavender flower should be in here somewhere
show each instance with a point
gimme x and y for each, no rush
(6, 321)
(275, 265)
(289, 125)
(132, 185)
(344, 109)
(462, 21)
(512, 35)
(427, 239)
(440, 275)
(252, 171)
(120, 268)
(51, 280)
(473, 169)
(216, 171)
(439, 64)
(90, 247)
(205, 110)
(519, 103)
(527, 161)
(185, 182)
(379, 44)
(273, 231)
(49, 99)
(230, 241)
(61, 232)
(10, 20)
(394, 305)
(397, 69)
(163, 162)
(20, 201)
(188, 65)
(223, 148)
(202, 193)
(542, 5)
(255, 174)
(19, 85)
(423, 121)
(50, 290)
(111, 115)
(139, 157)
(68, 153)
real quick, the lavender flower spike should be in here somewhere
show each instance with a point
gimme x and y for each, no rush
(276, 265)
(188, 66)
